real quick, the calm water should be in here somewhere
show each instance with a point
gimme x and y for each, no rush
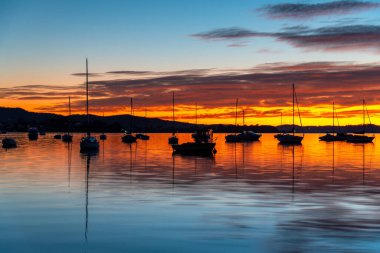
(252, 197)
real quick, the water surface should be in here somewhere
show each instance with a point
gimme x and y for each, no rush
(250, 197)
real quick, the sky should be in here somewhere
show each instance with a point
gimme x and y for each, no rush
(208, 53)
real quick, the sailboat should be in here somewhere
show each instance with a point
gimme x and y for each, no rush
(88, 143)
(67, 137)
(286, 138)
(143, 136)
(128, 137)
(173, 139)
(33, 133)
(233, 137)
(332, 136)
(281, 131)
(361, 137)
(203, 144)
(9, 143)
(103, 136)
(247, 136)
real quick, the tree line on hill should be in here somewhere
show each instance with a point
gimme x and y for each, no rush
(19, 120)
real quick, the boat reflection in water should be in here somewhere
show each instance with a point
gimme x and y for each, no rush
(261, 195)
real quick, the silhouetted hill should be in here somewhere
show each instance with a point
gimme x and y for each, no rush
(17, 119)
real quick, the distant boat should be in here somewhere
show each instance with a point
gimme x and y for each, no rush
(247, 136)
(332, 136)
(285, 138)
(88, 143)
(233, 137)
(142, 136)
(67, 137)
(33, 133)
(361, 137)
(9, 143)
(128, 137)
(281, 132)
(203, 144)
(173, 139)
(57, 136)
(103, 136)
(244, 136)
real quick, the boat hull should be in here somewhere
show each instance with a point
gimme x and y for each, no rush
(9, 143)
(128, 138)
(103, 137)
(249, 137)
(67, 138)
(232, 138)
(194, 148)
(89, 144)
(173, 140)
(360, 139)
(330, 137)
(289, 139)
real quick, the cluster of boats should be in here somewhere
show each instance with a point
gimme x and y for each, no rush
(203, 140)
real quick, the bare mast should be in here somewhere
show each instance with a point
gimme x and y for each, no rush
(88, 116)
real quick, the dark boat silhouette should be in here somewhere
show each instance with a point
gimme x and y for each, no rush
(9, 143)
(340, 136)
(292, 139)
(103, 136)
(360, 137)
(88, 143)
(245, 136)
(173, 139)
(203, 143)
(67, 137)
(57, 136)
(33, 133)
(128, 137)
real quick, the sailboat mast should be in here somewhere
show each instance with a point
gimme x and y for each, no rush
(243, 119)
(173, 115)
(88, 116)
(68, 128)
(196, 114)
(236, 112)
(293, 107)
(130, 123)
(363, 116)
(333, 117)
(69, 106)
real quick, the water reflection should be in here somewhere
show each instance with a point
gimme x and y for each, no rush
(263, 196)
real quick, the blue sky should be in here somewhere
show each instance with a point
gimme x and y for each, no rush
(45, 41)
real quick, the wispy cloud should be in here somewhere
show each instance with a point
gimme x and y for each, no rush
(324, 38)
(306, 11)
(265, 86)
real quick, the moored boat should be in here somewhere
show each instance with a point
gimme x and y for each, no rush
(128, 137)
(291, 139)
(67, 137)
(361, 137)
(57, 136)
(88, 143)
(142, 136)
(173, 139)
(9, 143)
(203, 143)
(328, 137)
(33, 133)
